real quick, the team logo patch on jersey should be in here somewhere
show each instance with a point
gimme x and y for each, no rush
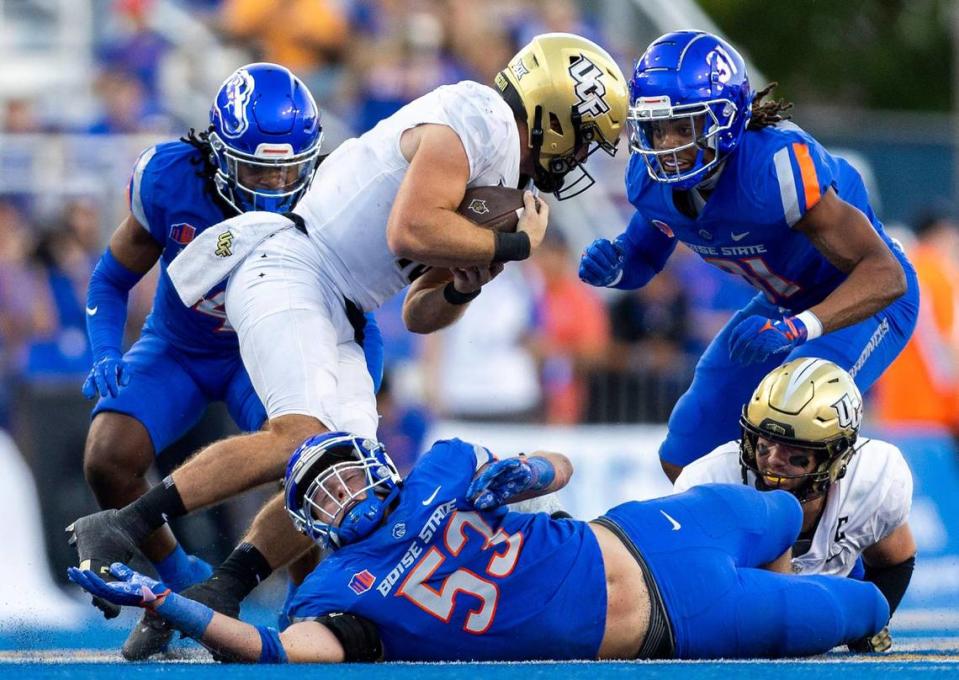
(399, 530)
(239, 89)
(224, 244)
(663, 227)
(478, 206)
(182, 233)
(362, 582)
(589, 88)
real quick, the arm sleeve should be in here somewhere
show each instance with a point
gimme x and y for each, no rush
(647, 249)
(107, 296)
(892, 581)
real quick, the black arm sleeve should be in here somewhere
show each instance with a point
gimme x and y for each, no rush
(892, 581)
(358, 636)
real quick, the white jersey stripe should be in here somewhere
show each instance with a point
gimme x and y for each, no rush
(787, 186)
(136, 202)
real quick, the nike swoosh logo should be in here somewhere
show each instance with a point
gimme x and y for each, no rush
(740, 237)
(433, 495)
(676, 525)
(91, 311)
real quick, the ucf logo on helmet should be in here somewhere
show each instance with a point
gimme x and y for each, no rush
(239, 89)
(589, 88)
(849, 411)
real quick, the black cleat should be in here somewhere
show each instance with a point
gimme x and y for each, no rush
(150, 636)
(102, 539)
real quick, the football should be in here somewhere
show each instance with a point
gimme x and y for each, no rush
(496, 208)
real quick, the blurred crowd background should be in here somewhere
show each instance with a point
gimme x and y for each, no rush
(87, 84)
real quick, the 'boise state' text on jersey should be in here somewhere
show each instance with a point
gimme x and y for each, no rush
(767, 185)
(171, 201)
(437, 574)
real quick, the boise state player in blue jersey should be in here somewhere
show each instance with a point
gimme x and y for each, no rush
(719, 169)
(434, 568)
(260, 153)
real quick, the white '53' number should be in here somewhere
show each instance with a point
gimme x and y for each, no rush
(440, 601)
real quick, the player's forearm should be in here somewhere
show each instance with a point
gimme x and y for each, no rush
(876, 281)
(892, 581)
(552, 471)
(426, 308)
(106, 306)
(646, 251)
(440, 237)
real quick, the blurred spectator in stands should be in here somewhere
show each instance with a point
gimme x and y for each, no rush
(19, 117)
(553, 16)
(402, 427)
(574, 331)
(126, 109)
(648, 368)
(481, 368)
(134, 48)
(66, 255)
(922, 384)
(479, 36)
(25, 308)
(309, 37)
(401, 52)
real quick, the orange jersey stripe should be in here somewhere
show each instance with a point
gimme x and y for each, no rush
(807, 169)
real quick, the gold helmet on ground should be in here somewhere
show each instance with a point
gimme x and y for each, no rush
(574, 99)
(807, 403)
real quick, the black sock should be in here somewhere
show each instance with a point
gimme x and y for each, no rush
(242, 571)
(152, 510)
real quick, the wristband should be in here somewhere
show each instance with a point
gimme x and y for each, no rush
(511, 246)
(454, 297)
(271, 649)
(188, 616)
(812, 323)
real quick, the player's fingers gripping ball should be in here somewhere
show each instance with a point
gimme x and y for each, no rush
(132, 588)
(602, 262)
(757, 338)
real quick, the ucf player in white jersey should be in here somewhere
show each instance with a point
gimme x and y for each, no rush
(380, 214)
(801, 433)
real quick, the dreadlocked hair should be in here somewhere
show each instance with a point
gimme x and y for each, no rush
(768, 113)
(206, 166)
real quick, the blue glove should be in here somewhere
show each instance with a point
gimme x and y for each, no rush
(132, 589)
(136, 590)
(602, 262)
(757, 338)
(506, 479)
(107, 376)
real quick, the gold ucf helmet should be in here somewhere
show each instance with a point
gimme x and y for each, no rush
(574, 99)
(808, 403)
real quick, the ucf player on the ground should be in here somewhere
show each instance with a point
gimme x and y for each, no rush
(800, 433)
(380, 213)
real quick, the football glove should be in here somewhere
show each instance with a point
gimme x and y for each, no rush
(880, 642)
(757, 338)
(133, 589)
(602, 263)
(506, 479)
(107, 376)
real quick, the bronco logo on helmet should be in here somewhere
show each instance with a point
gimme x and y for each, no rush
(239, 90)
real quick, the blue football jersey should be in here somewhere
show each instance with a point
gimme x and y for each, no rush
(444, 582)
(745, 228)
(170, 200)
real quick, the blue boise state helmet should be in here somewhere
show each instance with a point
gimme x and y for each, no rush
(338, 487)
(265, 139)
(690, 87)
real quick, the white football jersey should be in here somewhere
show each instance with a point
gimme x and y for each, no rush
(347, 206)
(873, 498)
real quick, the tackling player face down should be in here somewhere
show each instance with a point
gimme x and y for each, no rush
(362, 238)
(436, 569)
